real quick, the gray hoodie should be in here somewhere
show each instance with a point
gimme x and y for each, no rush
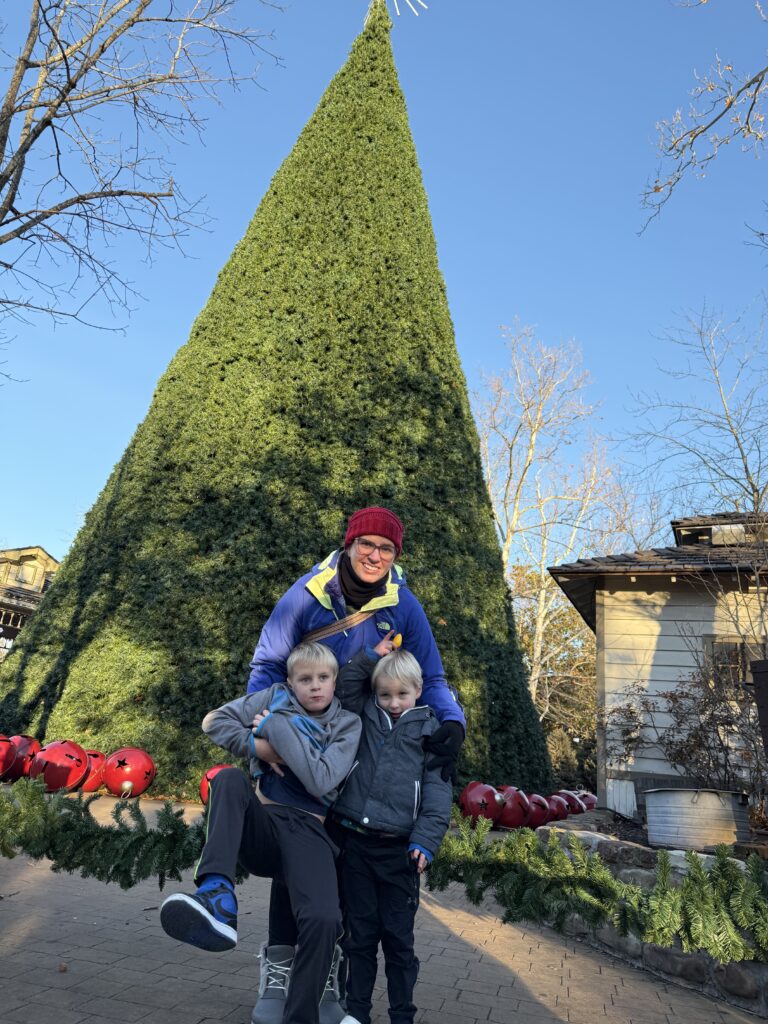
(318, 749)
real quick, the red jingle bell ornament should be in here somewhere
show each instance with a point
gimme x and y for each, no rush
(7, 754)
(26, 748)
(539, 813)
(575, 805)
(94, 777)
(558, 808)
(588, 799)
(129, 772)
(463, 796)
(481, 802)
(62, 764)
(205, 782)
(516, 808)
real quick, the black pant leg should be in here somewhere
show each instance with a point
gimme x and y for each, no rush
(238, 830)
(309, 873)
(282, 926)
(363, 925)
(398, 888)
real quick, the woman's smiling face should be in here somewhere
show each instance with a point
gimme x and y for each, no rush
(371, 556)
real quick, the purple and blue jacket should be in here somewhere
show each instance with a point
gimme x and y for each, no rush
(315, 600)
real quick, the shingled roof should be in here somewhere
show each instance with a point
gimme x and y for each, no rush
(707, 554)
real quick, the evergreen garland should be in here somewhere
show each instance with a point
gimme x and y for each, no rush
(63, 830)
(722, 909)
(321, 376)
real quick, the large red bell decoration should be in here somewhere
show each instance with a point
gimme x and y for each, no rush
(94, 777)
(205, 782)
(129, 772)
(62, 765)
(7, 754)
(481, 802)
(539, 813)
(575, 805)
(515, 809)
(26, 748)
(463, 796)
(558, 808)
(588, 799)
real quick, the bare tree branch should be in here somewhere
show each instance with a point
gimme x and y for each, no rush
(95, 88)
(554, 497)
(713, 430)
(726, 107)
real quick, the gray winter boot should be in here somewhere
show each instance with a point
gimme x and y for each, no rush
(331, 1010)
(274, 975)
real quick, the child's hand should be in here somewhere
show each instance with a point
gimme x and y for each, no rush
(258, 719)
(421, 861)
(388, 644)
(266, 752)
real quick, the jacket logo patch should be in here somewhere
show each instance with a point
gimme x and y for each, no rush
(383, 626)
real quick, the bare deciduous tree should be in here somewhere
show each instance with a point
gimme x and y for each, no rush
(726, 107)
(93, 90)
(713, 431)
(554, 497)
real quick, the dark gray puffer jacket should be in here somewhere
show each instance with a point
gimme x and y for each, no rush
(389, 788)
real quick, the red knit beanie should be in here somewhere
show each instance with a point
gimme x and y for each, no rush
(378, 521)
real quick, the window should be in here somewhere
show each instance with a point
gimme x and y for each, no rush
(26, 573)
(733, 655)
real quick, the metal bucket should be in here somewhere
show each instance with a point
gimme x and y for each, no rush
(695, 819)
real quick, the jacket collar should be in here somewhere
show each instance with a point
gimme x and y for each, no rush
(324, 579)
(284, 699)
(385, 721)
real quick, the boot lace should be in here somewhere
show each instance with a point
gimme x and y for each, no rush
(278, 972)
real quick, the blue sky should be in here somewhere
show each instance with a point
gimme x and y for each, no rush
(534, 124)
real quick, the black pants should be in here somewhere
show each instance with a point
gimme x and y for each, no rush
(380, 893)
(290, 846)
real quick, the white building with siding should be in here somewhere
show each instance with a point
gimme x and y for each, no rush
(655, 614)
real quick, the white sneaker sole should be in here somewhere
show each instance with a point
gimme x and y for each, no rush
(188, 921)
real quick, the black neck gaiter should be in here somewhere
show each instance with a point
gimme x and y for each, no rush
(356, 591)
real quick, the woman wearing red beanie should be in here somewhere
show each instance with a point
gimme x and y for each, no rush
(351, 601)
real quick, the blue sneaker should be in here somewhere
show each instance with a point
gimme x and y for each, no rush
(207, 919)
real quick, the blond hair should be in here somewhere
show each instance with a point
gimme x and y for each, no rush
(311, 654)
(401, 666)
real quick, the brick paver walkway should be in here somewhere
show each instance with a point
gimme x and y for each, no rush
(78, 952)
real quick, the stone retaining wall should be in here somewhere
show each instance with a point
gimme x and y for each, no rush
(742, 984)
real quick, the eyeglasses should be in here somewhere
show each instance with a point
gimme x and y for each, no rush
(367, 547)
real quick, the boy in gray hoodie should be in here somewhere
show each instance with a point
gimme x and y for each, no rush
(280, 831)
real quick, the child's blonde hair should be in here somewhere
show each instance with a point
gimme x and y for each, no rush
(400, 666)
(311, 654)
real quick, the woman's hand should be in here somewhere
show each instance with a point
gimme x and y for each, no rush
(444, 746)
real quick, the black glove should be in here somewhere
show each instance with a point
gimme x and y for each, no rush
(445, 744)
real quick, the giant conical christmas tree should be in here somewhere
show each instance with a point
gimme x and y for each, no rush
(321, 376)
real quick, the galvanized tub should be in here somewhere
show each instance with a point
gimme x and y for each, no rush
(695, 819)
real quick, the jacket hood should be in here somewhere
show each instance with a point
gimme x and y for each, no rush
(284, 699)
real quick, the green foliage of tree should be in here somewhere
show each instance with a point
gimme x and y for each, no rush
(321, 376)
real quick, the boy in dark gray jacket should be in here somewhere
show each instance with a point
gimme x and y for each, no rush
(280, 832)
(389, 819)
